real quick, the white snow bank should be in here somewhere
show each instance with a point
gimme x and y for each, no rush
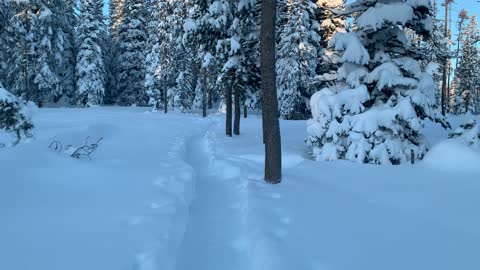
(453, 156)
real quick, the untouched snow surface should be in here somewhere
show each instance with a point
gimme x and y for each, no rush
(172, 192)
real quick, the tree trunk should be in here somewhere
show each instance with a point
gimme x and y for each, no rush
(245, 111)
(228, 122)
(236, 120)
(271, 125)
(165, 96)
(210, 98)
(444, 74)
(204, 92)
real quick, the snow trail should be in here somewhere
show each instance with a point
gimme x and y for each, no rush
(213, 235)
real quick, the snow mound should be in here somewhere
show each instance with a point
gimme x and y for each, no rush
(453, 155)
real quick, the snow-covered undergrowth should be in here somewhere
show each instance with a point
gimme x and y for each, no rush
(15, 122)
(172, 192)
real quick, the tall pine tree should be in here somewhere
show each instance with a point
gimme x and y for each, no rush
(90, 68)
(297, 59)
(468, 72)
(132, 37)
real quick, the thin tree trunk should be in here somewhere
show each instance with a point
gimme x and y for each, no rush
(236, 120)
(447, 95)
(245, 114)
(165, 96)
(204, 92)
(228, 122)
(444, 75)
(26, 56)
(210, 98)
(271, 125)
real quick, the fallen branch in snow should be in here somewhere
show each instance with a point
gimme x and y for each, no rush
(86, 150)
(56, 145)
(82, 151)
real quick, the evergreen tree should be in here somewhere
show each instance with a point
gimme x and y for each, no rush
(187, 48)
(330, 24)
(376, 112)
(14, 117)
(468, 133)
(116, 12)
(68, 64)
(132, 39)
(296, 59)
(90, 67)
(436, 51)
(468, 73)
(155, 8)
(249, 16)
(5, 15)
(40, 50)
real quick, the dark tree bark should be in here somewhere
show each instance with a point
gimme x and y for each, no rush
(165, 96)
(245, 114)
(270, 115)
(236, 120)
(228, 122)
(204, 92)
(210, 98)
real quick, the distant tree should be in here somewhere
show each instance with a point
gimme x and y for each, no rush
(153, 56)
(297, 58)
(5, 15)
(436, 51)
(468, 72)
(330, 24)
(37, 37)
(132, 37)
(90, 69)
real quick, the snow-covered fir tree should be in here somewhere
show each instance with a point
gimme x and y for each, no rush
(468, 72)
(155, 10)
(435, 50)
(330, 24)
(375, 114)
(132, 37)
(5, 15)
(296, 59)
(184, 40)
(68, 63)
(90, 68)
(240, 54)
(116, 16)
(14, 117)
(249, 17)
(468, 132)
(40, 52)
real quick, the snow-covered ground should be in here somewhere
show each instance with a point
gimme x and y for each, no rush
(172, 192)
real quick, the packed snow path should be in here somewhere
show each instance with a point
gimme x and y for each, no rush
(213, 222)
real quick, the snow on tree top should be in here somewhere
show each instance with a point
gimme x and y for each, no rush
(394, 13)
(354, 51)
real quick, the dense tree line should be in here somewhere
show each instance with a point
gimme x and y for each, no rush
(163, 53)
